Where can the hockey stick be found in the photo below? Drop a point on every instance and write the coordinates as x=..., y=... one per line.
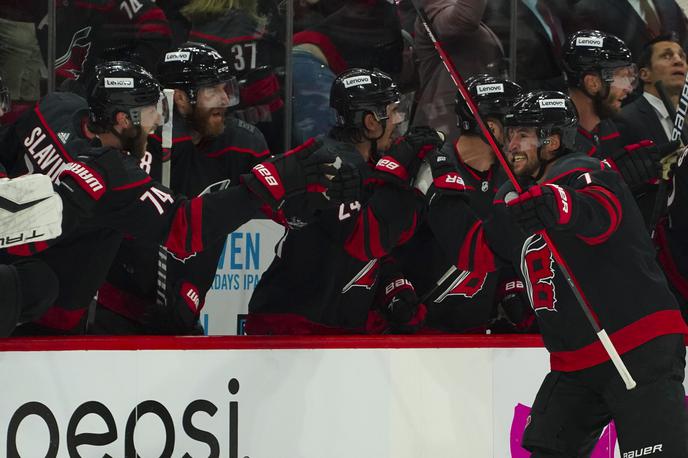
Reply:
x=161, y=290
x=461, y=86
x=676, y=133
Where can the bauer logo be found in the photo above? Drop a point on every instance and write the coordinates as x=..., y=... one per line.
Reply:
x=357, y=81
x=181, y=56
x=552, y=103
x=490, y=89
x=591, y=42
x=119, y=82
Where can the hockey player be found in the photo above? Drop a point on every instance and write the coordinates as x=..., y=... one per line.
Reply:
x=254, y=53
x=207, y=149
x=596, y=227
x=465, y=301
x=325, y=273
x=601, y=75
x=107, y=195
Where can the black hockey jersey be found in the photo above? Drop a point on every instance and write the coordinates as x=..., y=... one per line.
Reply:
x=324, y=276
x=106, y=192
x=132, y=281
x=46, y=138
x=255, y=55
x=465, y=300
x=602, y=142
x=609, y=255
x=87, y=28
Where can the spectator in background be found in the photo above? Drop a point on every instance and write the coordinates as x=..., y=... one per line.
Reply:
x=85, y=30
x=662, y=60
x=634, y=21
x=234, y=28
x=21, y=66
x=179, y=24
x=470, y=44
x=363, y=34
x=539, y=39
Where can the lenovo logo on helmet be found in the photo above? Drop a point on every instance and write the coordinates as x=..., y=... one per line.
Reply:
x=357, y=81
x=181, y=56
x=490, y=89
x=552, y=103
x=590, y=42
x=119, y=82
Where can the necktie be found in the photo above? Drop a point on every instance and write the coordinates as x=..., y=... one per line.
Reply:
x=650, y=17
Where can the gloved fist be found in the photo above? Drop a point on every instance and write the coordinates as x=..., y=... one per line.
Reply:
x=401, y=162
x=296, y=171
x=400, y=307
x=640, y=162
x=547, y=206
x=439, y=175
x=514, y=313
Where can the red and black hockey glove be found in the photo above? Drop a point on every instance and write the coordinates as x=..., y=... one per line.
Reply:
x=401, y=308
x=547, y=206
x=640, y=162
x=294, y=172
x=401, y=162
x=439, y=175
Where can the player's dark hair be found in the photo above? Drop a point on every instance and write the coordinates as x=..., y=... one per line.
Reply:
x=645, y=58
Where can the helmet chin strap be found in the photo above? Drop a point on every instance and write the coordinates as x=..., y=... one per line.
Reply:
x=543, y=162
x=373, y=142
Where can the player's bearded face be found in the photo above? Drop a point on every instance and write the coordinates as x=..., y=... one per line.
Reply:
x=208, y=117
x=522, y=150
x=395, y=118
x=621, y=82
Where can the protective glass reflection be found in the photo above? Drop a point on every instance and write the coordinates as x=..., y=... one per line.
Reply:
x=622, y=78
x=222, y=95
x=5, y=103
x=163, y=108
x=150, y=118
x=521, y=139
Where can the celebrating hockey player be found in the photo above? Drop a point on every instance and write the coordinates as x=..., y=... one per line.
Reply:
x=107, y=195
x=601, y=75
x=326, y=270
x=465, y=301
x=207, y=150
x=589, y=214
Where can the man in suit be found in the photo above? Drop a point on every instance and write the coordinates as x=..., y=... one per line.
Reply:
x=663, y=59
x=539, y=39
x=634, y=21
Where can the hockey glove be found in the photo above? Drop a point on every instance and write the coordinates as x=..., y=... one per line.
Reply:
x=400, y=307
x=640, y=162
x=401, y=162
x=548, y=206
x=514, y=313
x=438, y=175
x=294, y=172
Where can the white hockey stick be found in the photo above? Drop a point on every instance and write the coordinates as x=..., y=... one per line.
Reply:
x=161, y=290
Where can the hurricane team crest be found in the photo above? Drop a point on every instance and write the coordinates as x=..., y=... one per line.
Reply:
x=537, y=265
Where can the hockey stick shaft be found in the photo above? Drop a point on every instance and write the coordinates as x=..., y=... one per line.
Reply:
x=676, y=133
x=463, y=90
x=161, y=290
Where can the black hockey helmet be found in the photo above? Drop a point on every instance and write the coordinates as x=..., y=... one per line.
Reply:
x=550, y=112
x=193, y=66
x=593, y=51
x=358, y=91
x=120, y=87
x=492, y=95
x=5, y=99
